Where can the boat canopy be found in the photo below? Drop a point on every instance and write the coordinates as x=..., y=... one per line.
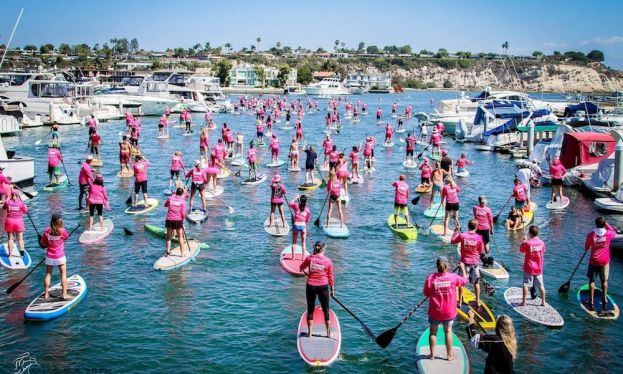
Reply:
x=583, y=148
x=587, y=107
x=604, y=176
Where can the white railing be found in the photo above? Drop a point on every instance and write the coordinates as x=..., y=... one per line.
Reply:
x=8, y=124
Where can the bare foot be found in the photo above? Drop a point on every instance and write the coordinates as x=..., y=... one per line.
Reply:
x=450, y=358
x=431, y=356
x=521, y=304
x=542, y=304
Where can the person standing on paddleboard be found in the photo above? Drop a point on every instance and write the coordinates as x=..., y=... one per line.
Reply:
x=140, y=178
x=320, y=283
x=410, y=147
x=354, y=162
x=327, y=146
x=389, y=133
x=259, y=133
x=368, y=152
x=177, y=163
x=198, y=180
x=94, y=144
x=519, y=193
x=435, y=141
x=334, y=190
x=450, y=194
x=162, y=123
x=501, y=347
x=53, y=239
x=334, y=156
x=274, y=149
x=277, y=194
x=440, y=289
x=301, y=219
x=535, y=173
x=446, y=164
x=85, y=177
x=482, y=214
x=533, y=250
x=204, y=144
x=425, y=173
x=524, y=174
x=14, y=222
x=598, y=241
x=557, y=172
x=342, y=172
x=471, y=251
x=401, y=198
x=294, y=154
x=124, y=154
x=437, y=182
x=54, y=159
x=55, y=132
x=212, y=171
x=310, y=164
x=252, y=159
x=174, y=223
x=97, y=200
x=462, y=163
x=92, y=124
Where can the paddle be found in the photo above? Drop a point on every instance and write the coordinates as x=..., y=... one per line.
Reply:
x=419, y=155
x=497, y=253
x=83, y=154
x=127, y=231
x=185, y=239
x=416, y=200
x=229, y=208
x=426, y=231
x=497, y=216
x=324, y=183
x=565, y=287
x=363, y=325
x=386, y=338
x=64, y=168
x=15, y=285
x=317, y=221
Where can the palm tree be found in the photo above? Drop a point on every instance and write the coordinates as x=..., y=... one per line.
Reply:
x=343, y=45
x=228, y=47
x=505, y=47
x=252, y=47
x=337, y=42
x=258, y=40
x=278, y=45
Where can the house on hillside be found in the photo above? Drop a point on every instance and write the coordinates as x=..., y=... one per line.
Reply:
x=381, y=83
x=320, y=75
x=245, y=75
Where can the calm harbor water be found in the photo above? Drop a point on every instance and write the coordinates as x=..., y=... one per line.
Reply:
x=236, y=310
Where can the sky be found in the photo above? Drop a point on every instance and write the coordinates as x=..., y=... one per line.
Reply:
x=475, y=25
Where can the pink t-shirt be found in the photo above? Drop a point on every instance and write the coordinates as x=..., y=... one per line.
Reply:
x=274, y=143
x=198, y=176
x=176, y=208
x=300, y=215
x=483, y=216
x=251, y=156
x=140, y=170
x=15, y=209
x=451, y=194
x=436, y=138
x=327, y=145
x=354, y=157
x=177, y=163
x=334, y=156
x=461, y=163
x=86, y=175
x=97, y=195
x=334, y=187
x=411, y=143
x=519, y=192
x=55, y=243
x=533, y=250
x=320, y=270
x=557, y=171
x=278, y=191
x=599, y=246
x=426, y=170
x=471, y=246
x=204, y=140
x=401, y=193
x=54, y=157
x=441, y=291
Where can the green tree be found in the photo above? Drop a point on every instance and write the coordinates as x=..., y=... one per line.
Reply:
x=361, y=47
x=179, y=52
x=442, y=53
x=278, y=45
x=537, y=54
x=30, y=47
x=373, y=50
x=228, y=47
x=284, y=73
x=134, y=45
x=197, y=46
x=343, y=45
x=320, y=50
x=482, y=55
x=426, y=52
x=46, y=48
x=96, y=47
x=337, y=43
x=405, y=50
x=206, y=47
x=304, y=75
x=156, y=65
x=505, y=47
x=260, y=75
x=595, y=55
x=258, y=40
x=64, y=48
x=222, y=71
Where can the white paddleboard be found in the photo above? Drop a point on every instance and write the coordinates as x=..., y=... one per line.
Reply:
x=333, y=230
x=277, y=228
x=252, y=181
x=558, y=205
x=14, y=260
x=409, y=164
x=210, y=194
x=533, y=311
x=54, y=306
x=174, y=260
x=197, y=215
x=276, y=164
x=96, y=235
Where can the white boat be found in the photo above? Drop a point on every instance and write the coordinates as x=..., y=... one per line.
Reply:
x=170, y=85
x=326, y=88
x=294, y=90
x=601, y=181
x=611, y=204
x=210, y=88
x=20, y=169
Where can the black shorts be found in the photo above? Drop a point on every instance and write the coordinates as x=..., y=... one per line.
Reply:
x=275, y=205
x=452, y=207
x=92, y=130
x=196, y=186
x=84, y=188
x=160, y=126
x=425, y=180
x=332, y=165
x=94, y=207
x=138, y=186
x=409, y=152
x=309, y=167
x=556, y=182
x=175, y=173
x=323, y=296
x=133, y=141
x=95, y=149
x=334, y=198
x=175, y=225
x=484, y=234
x=52, y=169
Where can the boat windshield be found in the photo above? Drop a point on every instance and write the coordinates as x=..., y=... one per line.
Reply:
x=52, y=90
x=7, y=80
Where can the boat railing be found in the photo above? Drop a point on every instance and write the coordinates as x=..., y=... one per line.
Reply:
x=9, y=124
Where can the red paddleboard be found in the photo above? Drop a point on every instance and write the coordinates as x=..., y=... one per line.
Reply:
x=319, y=350
x=292, y=265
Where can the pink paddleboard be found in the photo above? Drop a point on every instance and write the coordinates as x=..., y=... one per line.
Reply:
x=319, y=350
x=292, y=265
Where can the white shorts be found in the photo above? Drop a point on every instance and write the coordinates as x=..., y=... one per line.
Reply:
x=530, y=280
x=55, y=261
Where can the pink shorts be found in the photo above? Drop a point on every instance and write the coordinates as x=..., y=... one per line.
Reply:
x=14, y=226
x=213, y=170
x=342, y=174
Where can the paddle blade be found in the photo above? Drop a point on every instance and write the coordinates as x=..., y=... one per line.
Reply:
x=38, y=142
x=230, y=209
x=564, y=288
x=323, y=184
x=416, y=200
x=317, y=222
x=496, y=218
x=13, y=287
x=28, y=195
x=386, y=338
x=127, y=231
x=128, y=201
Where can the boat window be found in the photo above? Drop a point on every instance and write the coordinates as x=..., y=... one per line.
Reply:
x=54, y=90
x=13, y=80
x=598, y=149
